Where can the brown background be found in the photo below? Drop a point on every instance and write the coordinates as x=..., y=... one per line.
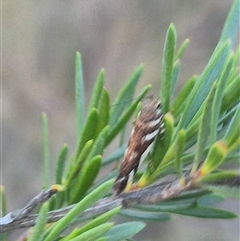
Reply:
x=39, y=41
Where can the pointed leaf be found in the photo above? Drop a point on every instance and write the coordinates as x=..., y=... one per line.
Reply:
x=60, y=164
x=85, y=179
x=79, y=93
x=103, y=110
x=85, y=203
x=124, y=231
x=97, y=91
x=205, y=212
x=145, y=216
x=204, y=128
x=94, y=233
x=46, y=164
x=40, y=224
x=167, y=67
x=90, y=130
x=126, y=93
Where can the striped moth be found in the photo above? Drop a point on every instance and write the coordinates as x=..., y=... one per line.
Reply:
x=147, y=125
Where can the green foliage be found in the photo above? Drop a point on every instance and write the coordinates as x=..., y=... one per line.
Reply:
x=201, y=134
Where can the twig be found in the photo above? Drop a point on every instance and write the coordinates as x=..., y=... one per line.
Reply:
x=149, y=195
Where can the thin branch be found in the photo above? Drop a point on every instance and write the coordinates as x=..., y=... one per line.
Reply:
x=149, y=195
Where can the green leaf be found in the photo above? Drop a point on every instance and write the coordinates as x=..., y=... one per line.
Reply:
x=203, y=84
x=175, y=75
x=167, y=67
x=145, y=216
x=100, y=143
x=97, y=91
x=94, y=233
x=85, y=203
x=233, y=129
x=231, y=25
x=103, y=110
x=181, y=49
x=3, y=209
x=218, y=99
x=215, y=157
x=180, y=101
x=231, y=94
x=95, y=222
x=46, y=164
x=126, y=93
x=79, y=93
x=40, y=224
x=180, y=141
x=60, y=164
x=204, y=128
x=218, y=177
x=76, y=167
x=90, y=130
x=124, y=231
x=210, y=200
x=114, y=155
x=121, y=122
x=85, y=178
x=225, y=191
x=205, y=212
x=160, y=147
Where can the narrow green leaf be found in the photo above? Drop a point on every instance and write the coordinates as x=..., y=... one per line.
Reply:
x=40, y=224
x=203, y=84
x=167, y=67
x=164, y=208
x=124, y=231
x=179, y=102
x=204, y=128
x=218, y=99
x=79, y=93
x=3, y=209
x=90, y=130
x=76, y=167
x=231, y=25
x=114, y=155
x=145, y=216
x=175, y=75
x=181, y=137
x=46, y=164
x=160, y=148
x=102, y=239
x=225, y=191
x=231, y=94
x=100, y=143
x=95, y=222
x=219, y=177
x=94, y=233
x=215, y=157
x=103, y=110
x=97, y=91
x=205, y=212
x=233, y=129
x=210, y=200
x=120, y=122
x=181, y=50
x=60, y=164
x=85, y=203
x=85, y=179
x=126, y=93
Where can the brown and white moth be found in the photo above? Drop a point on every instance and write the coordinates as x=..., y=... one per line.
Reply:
x=147, y=125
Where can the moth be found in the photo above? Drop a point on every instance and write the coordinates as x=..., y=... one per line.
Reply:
x=148, y=124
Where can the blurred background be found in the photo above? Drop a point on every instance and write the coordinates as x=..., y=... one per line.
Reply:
x=39, y=41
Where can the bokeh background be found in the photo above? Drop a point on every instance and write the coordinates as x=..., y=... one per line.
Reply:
x=39, y=41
